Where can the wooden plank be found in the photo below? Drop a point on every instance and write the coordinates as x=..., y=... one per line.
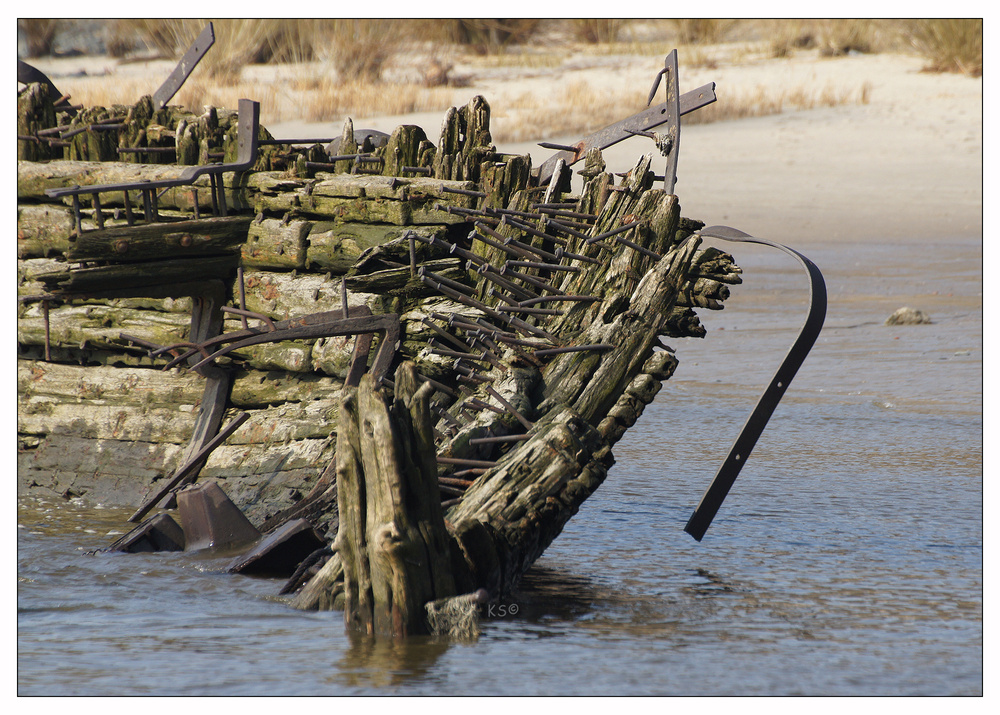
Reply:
x=143, y=242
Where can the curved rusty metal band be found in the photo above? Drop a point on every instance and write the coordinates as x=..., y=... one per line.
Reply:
x=711, y=501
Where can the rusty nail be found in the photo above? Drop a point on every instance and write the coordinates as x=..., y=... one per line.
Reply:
x=559, y=147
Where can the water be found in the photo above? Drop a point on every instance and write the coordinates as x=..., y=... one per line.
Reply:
x=847, y=560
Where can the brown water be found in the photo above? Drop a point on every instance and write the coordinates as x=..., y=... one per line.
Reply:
x=847, y=560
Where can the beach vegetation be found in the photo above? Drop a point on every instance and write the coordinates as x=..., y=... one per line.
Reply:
x=948, y=44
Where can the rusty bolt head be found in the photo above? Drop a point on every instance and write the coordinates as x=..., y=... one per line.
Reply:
x=121, y=246
x=186, y=240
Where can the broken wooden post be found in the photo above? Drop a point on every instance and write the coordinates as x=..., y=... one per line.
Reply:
x=392, y=538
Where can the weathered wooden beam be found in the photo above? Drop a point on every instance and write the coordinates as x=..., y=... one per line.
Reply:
x=392, y=538
x=144, y=242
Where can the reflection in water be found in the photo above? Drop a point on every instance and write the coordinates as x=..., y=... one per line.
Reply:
x=384, y=662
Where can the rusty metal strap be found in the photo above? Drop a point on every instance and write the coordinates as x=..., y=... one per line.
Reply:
x=182, y=71
x=706, y=510
x=642, y=121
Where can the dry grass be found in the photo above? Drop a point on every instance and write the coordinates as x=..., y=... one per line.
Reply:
x=348, y=57
x=949, y=45
x=40, y=34
x=578, y=110
x=332, y=100
x=596, y=31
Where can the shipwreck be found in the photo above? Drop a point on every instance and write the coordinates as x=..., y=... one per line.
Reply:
x=387, y=368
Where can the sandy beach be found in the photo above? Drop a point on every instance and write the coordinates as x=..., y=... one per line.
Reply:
x=905, y=165
x=908, y=165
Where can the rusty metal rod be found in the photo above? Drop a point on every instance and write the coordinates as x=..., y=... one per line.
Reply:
x=463, y=192
x=636, y=247
x=445, y=352
x=53, y=130
x=453, y=482
x=562, y=253
x=191, y=465
x=413, y=253
x=147, y=150
x=150, y=346
x=493, y=276
x=501, y=243
x=502, y=439
x=147, y=205
x=290, y=142
x=447, y=417
x=466, y=462
x=554, y=298
x=602, y=347
x=95, y=202
x=45, y=317
x=469, y=372
x=462, y=211
x=485, y=405
x=528, y=311
x=533, y=231
x=129, y=216
x=183, y=344
x=522, y=343
x=559, y=147
x=454, y=285
x=508, y=407
x=243, y=292
x=534, y=249
x=543, y=266
x=438, y=386
x=613, y=232
x=531, y=280
x=443, y=333
x=488, y=354
x=462, y=298
x=568, y=214
x=250, y=314
x=501, y=296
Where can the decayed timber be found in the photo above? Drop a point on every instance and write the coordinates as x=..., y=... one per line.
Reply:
x=530, y=322
x=392, y=539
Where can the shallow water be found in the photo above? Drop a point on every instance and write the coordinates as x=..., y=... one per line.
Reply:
x=847, y=560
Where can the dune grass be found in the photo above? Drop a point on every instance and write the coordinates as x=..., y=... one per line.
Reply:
x=343, y=64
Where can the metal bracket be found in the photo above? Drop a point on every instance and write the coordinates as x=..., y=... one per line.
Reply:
x=671, y=143
x=359, y=321
x=706, y=510
x=247, y=144
x=202, y=44
x=638, y=123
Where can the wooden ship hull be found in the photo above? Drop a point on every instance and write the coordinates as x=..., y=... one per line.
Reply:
x=419, y=349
